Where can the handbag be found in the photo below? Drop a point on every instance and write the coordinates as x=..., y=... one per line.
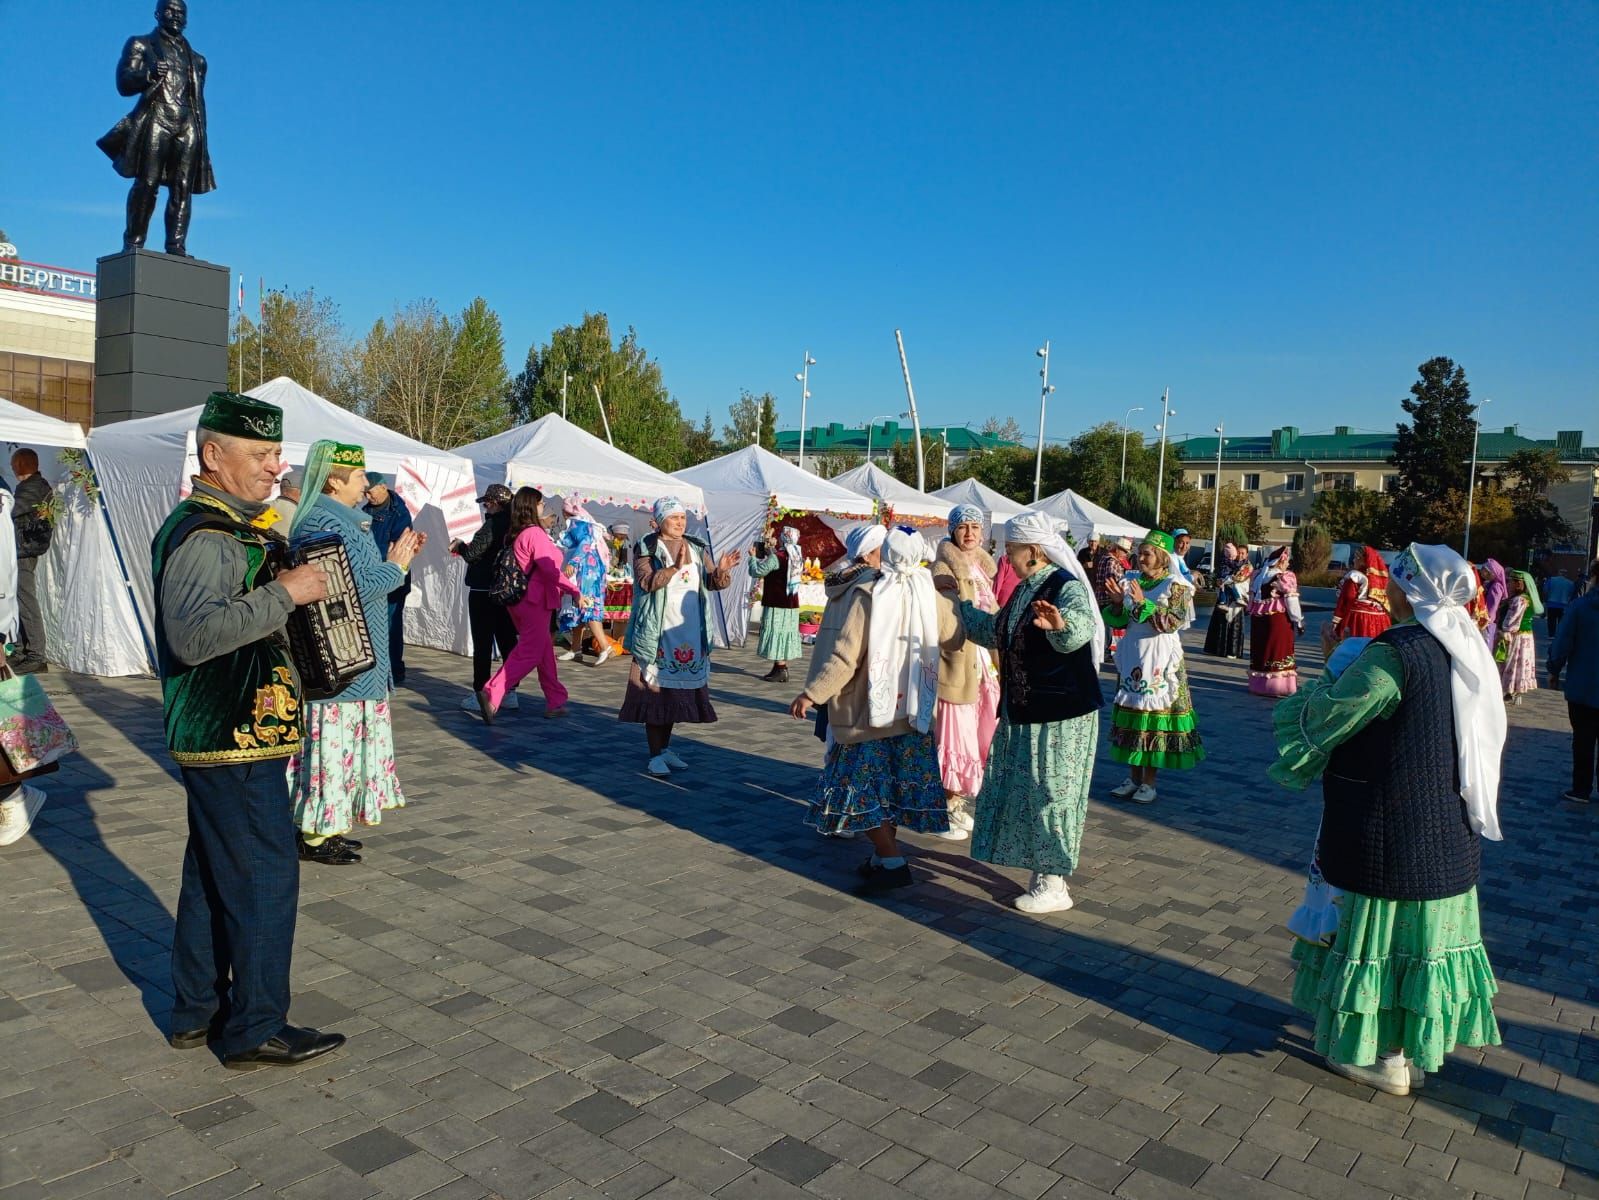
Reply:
x=32, y=733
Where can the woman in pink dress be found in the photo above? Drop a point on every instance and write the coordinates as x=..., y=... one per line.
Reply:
x=535, y=650
x=1518, y=663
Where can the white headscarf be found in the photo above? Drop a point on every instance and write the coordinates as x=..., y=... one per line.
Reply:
x=796, y=558
x=1034, y=528
x=863, y=539
x=902, y=640
x=1439, y=585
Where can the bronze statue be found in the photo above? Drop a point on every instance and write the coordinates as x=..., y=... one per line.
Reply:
x=162, y=141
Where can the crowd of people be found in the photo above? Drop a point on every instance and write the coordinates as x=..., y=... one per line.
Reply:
x=957, y=697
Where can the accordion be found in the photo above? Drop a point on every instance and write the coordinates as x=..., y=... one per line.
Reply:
x=328, y=638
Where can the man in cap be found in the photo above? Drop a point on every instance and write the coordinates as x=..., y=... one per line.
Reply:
x=490, y=622
x=287, y=503
x=391, y=518
x=230, y=694
x=1180, y=543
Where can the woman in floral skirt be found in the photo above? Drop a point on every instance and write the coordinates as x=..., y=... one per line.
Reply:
x=1275, y=620
x=345, y=775
x=1518, y=662
x=879, y=680
x=1050, y=638
x=1152, y=723
x=1407, y=740
x=585, y=560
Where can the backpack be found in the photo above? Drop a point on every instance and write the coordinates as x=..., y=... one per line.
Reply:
x=510, y=581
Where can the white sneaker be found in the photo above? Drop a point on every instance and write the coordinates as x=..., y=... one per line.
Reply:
x=1143, y=794
x=469, y=704
x=1390, y=1075
x=17, y=813
x=566, y=656
x=604, y=654
x=1124, y=790
x=659, y=767
x=1418, y=1077
x=954, y=833
x=510, y=703
x=1047, y=894
x=670, y=758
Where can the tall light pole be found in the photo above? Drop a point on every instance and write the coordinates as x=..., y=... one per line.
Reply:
x=1130, y=412
x=1167, y=412
x=1043, y=398
x=869, y=425
x=1215, y=512
x=1471, y=480
x=943, y=463
x=916, y=421
x=804, y=378
x=566, y=378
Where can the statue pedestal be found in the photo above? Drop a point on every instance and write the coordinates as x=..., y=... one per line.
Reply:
x=160, y=334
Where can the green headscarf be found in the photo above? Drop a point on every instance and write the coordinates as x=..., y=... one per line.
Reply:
x=317, y=465
x=1532, y=591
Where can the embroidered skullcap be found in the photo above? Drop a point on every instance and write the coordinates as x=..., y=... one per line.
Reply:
x=242, y=417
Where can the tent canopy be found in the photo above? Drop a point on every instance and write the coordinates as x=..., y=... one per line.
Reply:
x=1085, y=518
x=140, y=467
x=872, y=481
x=560, y=459
x=90, y=626
x=740, y=491
x=968, y=491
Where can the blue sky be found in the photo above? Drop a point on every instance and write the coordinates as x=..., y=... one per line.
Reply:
x=1276, y=210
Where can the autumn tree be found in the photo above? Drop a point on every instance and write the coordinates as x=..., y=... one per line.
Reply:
x=1192, y=509
x=433, y=377
x=1354, y=515
x=298, y=334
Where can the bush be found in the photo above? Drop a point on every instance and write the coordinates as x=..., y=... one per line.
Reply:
x=1311, y=551
x=1135, y=501
x=1236, y=534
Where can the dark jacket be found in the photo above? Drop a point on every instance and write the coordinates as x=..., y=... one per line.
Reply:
x=1037, y=682
x=484, y=548
x=33, y=530
x=129, y=139
x=1393, y=823
x=389, y=520
x=774, y=587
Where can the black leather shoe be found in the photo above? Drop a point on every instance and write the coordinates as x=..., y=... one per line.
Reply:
x=885, y=879
x=329, y=854
x=289, y=1048
x=348, y=843
x=189, y=1039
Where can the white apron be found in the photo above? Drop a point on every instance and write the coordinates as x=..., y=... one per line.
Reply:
x=683, y=663
x=1148, y=661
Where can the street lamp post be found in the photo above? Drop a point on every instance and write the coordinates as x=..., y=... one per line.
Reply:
x=1167, y=412
x=1130, y=412
x=1043, y=399
x=869, y=425
x=1471, y=482
x=804, y=378
x=566, y=378
x=943, y=463
x=1215, y=512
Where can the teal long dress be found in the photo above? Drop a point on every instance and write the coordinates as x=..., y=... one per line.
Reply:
x=1405, y=974
x=1034, y=799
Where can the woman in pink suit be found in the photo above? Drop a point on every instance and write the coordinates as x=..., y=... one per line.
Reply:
x=540, y=561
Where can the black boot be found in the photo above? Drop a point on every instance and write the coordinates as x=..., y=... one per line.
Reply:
x=179, y=202
x=329, y=853
x=141, y=207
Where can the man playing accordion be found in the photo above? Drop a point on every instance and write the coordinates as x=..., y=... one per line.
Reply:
x=231, y=698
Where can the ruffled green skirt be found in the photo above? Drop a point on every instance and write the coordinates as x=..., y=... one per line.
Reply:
x=1408, y=974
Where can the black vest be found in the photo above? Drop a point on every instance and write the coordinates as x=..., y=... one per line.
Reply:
x=774, y=586
x=1393, y=823
x=1038, y=683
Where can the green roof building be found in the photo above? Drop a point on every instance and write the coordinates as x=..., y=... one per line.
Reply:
x=881, y=438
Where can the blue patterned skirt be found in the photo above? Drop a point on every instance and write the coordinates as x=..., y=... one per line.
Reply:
x=894, y=779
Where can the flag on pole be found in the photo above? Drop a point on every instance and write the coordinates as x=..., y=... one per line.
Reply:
x=241, y=295
x=260, y=288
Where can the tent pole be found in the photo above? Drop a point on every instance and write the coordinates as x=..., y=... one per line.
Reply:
x=122, y=566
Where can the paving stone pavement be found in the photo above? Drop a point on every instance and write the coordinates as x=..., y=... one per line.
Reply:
x=563, y=979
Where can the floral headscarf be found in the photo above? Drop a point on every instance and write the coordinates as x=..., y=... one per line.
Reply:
x=964, y=514
x=667, y=506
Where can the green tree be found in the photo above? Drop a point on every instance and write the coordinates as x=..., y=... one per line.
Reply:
x=299, y=334
x=744, y=421
x=768, y=425
x=902, y=461
x=1135, y=501
x=699, y=441
x=1192, y=508
x=1008, y=470
x=1237, y=534
x=830, y=466
x=433, y=377
x=1432, y=454
x=644, y=419
x=1354, y=515
x=1312, y=549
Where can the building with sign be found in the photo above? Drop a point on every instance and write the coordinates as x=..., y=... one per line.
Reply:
x=47, y=338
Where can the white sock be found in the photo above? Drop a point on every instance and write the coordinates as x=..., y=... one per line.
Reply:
x=892, y=864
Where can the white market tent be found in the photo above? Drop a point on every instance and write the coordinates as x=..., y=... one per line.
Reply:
x=140, y=466
x=871, y=481
x=740, y=491
x=90, y=625
x=1084, y=518
x=998, y=508
x=561, y=459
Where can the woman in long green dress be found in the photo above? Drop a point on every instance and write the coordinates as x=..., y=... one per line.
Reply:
x=1049, y=635
x=1407, y=740
x=780, y=570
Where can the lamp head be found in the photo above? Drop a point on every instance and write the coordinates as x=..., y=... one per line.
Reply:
x=1042, y=352
x=809, y=361
x=799, y=376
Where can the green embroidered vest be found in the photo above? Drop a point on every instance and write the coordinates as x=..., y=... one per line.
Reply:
x=238, y=707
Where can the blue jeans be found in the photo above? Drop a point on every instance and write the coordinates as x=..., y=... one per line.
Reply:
x=236, y=910
x=397, y=636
